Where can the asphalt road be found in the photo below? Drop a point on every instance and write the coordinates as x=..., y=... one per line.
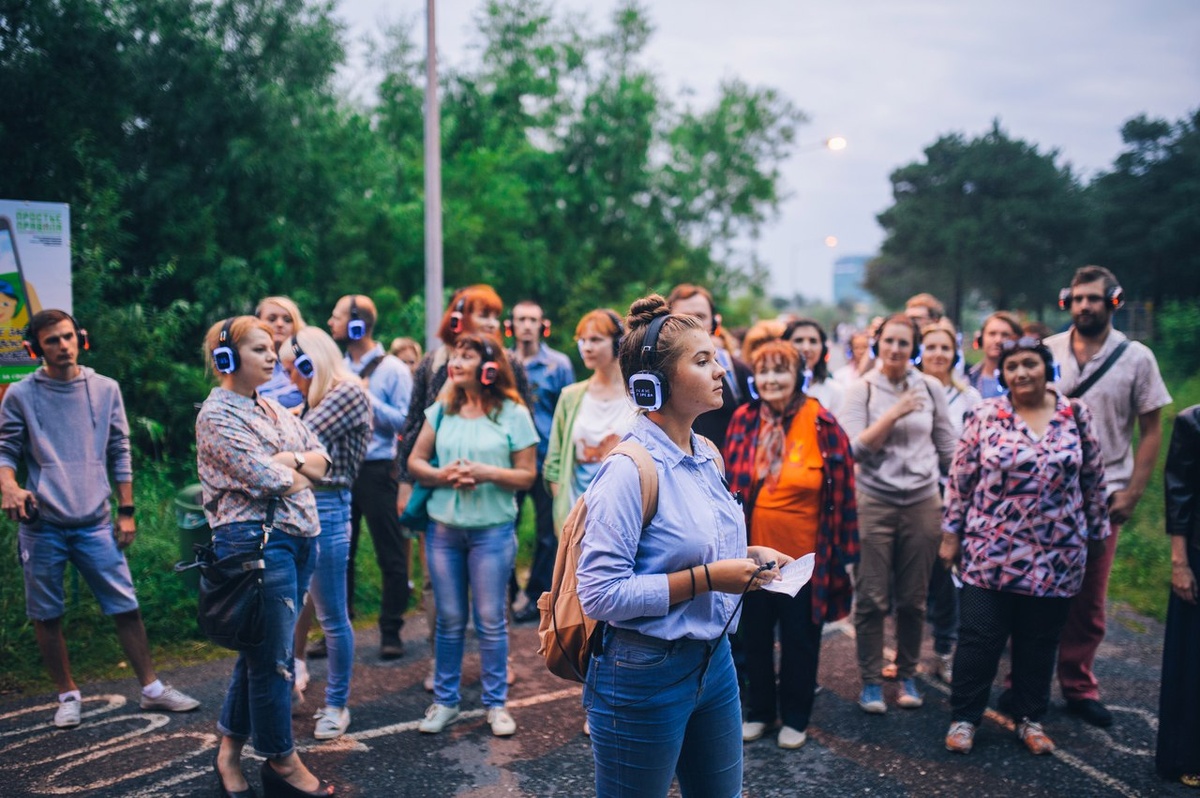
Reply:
x=121, y=751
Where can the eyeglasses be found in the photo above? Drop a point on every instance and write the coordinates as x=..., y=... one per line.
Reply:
x=1027, y=342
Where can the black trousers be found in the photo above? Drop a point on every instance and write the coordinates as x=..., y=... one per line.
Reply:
x=987, y=619
x=1178, y=749
x=541, y=570
x=374, y=497
x=800, y=650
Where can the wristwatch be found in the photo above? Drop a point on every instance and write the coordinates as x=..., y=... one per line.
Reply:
x=299, y=456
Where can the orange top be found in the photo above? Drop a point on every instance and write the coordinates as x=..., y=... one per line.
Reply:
x=786, y=516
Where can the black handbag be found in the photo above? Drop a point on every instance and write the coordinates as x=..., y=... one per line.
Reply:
x=230, y=609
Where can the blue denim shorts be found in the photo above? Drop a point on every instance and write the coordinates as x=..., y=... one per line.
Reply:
x=93, y=549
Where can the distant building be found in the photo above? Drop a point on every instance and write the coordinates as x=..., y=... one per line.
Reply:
x=849, y=273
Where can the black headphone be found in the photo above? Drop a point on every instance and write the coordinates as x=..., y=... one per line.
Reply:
x=356, y=328
x=648, y=386
x=1028, y=344
x=509, y=325
x=34, y=348
x=489, y=369
x=225, y=357
x=956, y=337
x=1114, y=297
x=914, y=358
x=456, y=316
x=303, y=363
x=620, y=334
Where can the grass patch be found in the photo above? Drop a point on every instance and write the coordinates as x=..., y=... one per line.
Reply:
x=1141, y=574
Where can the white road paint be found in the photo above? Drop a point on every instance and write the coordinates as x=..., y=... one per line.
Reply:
x=58, y=780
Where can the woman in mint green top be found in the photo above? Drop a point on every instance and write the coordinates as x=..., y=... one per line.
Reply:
x=476, y=449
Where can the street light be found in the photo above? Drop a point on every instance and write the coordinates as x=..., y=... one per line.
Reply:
x=833, y=144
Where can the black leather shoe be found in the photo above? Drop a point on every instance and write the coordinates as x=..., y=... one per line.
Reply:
x=276, y=786
x=392, y=648
x=226, y=793
x=1091, y=711
x=528, y=613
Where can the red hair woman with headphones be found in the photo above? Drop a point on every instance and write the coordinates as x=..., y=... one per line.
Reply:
x=477, y=448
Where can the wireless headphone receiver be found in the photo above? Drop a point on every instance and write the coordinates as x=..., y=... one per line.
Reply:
x=619, y=335
x=303, y=363
x=649, y=387
x=356, y=328
x=456, y=316
x=34, y=347
x=225, y=357
x=1114, y=297
x=489, y=369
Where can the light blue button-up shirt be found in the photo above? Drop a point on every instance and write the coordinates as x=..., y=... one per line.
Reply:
x=623, y=568
x=390, y=389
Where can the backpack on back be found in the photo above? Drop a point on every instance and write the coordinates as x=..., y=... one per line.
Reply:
x=564, y=632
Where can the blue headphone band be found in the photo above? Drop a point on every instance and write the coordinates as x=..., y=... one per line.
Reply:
x=356, y=328
x=225, y=358
x=303, y=363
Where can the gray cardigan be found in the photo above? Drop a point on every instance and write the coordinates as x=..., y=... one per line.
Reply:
x=905, y=468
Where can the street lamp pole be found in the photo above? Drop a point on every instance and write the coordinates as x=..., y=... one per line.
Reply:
x=433, y=185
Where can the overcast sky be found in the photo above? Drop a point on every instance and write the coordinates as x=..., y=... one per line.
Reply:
x=891, y=76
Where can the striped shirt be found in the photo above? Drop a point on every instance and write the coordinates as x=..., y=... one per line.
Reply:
x=236, y=437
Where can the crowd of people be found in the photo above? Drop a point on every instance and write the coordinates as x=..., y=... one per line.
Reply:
x=984, y=502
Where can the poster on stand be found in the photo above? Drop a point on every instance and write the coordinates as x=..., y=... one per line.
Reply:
x=35, y=273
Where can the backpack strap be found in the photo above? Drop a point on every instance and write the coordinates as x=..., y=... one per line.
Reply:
x=1083, y=387
x=716, y=454
x=647, y=476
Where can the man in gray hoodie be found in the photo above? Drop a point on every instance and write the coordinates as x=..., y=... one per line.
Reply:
x=67, y=425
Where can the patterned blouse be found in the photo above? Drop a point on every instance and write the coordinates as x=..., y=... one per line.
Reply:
x=1026, y=506
x=235, y=439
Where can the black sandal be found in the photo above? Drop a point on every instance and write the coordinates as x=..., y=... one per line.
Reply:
x=225, y=792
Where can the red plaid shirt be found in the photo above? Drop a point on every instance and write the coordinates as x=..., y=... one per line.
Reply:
x=837, y=527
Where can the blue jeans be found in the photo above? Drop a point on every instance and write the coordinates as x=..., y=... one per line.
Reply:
x=655, y=711
x=481, y=559
x=327, y=589
x=44, y=552
x=259, y=699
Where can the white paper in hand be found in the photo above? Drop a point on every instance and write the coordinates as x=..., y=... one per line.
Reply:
x=794, y=575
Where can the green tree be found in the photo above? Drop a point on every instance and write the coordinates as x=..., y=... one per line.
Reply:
x=991, y=218
x=1148, y=210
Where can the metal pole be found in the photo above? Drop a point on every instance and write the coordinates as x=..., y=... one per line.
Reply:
x=433, y=186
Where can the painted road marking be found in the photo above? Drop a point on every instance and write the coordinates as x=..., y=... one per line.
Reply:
x=55, y=782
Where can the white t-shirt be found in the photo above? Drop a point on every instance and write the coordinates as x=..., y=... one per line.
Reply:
x=599, y=426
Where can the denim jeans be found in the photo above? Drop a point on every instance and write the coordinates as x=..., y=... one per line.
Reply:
x=482, y=560
x=325, y=578
x=655, y=711
x=45, y=550
x=258, y=702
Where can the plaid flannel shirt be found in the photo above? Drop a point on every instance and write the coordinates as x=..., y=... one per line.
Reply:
x=837, y=525
x=342, y=422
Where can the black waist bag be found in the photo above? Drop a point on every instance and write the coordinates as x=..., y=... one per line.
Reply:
x=230, y=609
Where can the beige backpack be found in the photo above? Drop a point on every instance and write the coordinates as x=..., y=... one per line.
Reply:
x=564, y=632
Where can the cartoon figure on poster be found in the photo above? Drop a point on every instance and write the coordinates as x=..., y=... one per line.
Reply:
x=18, y=299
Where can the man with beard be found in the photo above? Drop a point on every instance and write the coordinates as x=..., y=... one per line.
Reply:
x=1128, y=389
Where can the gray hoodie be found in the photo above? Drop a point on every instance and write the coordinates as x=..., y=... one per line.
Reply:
x=905, y=469
x=68, y=434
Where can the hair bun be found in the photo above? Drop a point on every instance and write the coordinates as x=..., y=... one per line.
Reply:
x=645, y=310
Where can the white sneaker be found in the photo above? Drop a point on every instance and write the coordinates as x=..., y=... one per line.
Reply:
x=501, y=722
x=791, y=738
x=752, y=730
x=67, y=714
x=171, y=700
x=438, y=717
x=332, y=722
x=944, y=669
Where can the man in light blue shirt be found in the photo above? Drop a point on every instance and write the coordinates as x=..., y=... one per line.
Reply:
x=548, y=372
x=389, y=383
